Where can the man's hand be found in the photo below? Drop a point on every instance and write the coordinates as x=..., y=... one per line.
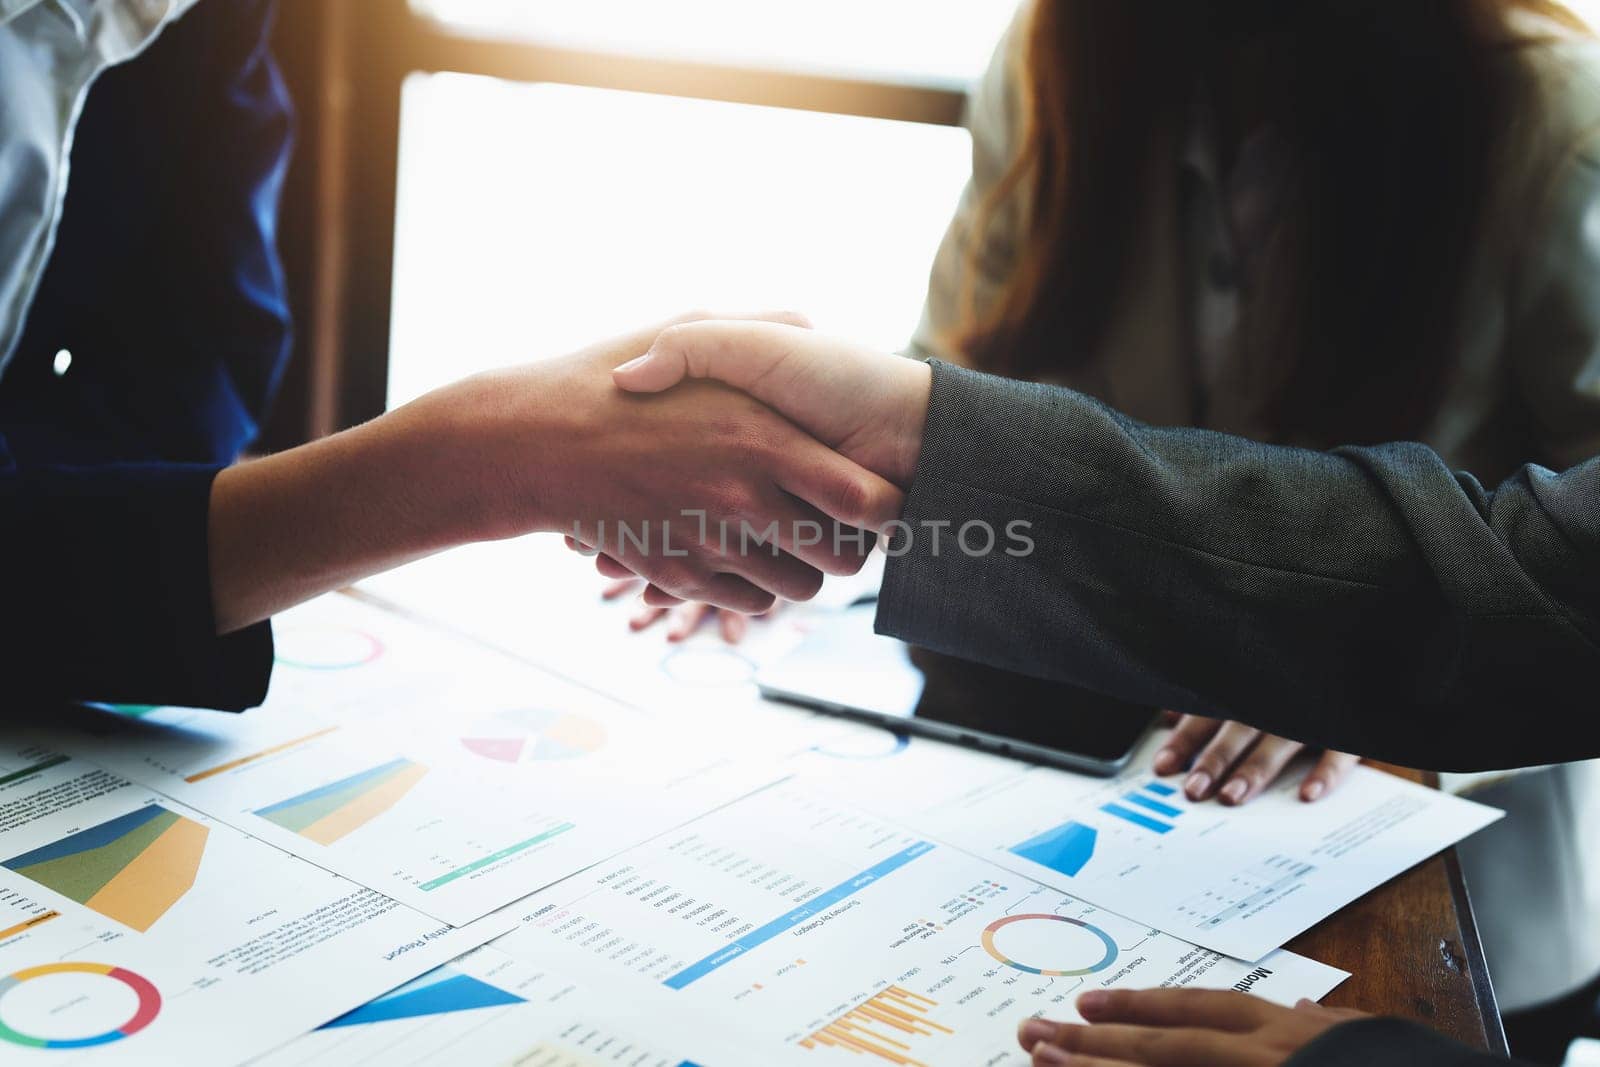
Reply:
x=1178, y=1028
x=869, y=405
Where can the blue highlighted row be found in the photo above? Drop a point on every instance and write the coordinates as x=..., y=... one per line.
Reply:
x=1137, y=818
x=1151, y=804
x=814, y=906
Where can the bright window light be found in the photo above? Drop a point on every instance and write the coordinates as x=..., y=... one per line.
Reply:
x=940, y=40
x=534, y=219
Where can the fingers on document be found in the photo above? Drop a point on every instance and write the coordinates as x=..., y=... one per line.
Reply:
x=1216, y=1009
x=1330, y=771
x=1234, y=762
x=1189, y=736
x=1179, y=1046
x=1259, y=769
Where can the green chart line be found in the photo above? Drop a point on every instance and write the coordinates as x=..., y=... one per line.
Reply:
x=496, y=857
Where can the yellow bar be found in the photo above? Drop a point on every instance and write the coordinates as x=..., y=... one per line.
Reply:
x=870, y=1032
x=885, y=1017
x=223, y=768
x=35, y=921
x=899, y=1013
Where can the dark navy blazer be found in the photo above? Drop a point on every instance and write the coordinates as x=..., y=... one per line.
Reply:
x=165, y=287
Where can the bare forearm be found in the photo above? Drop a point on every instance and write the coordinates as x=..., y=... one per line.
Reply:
x=291, y=526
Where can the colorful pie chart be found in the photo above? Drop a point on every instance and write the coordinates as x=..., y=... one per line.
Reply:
x=147, y=1004
x=535, y=734
x=1076, y=948
x=325, y=648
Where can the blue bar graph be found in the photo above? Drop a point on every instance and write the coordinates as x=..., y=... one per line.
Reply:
x=1066, y=848
x=781, y=925
x=1151, y=804
x=1136, y=818
x=1160, y=789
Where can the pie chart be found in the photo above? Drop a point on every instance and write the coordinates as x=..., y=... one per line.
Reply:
x=535, y=734
x=75, y=1005
x=1049, y=944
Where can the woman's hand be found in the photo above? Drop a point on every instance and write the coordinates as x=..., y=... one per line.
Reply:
x=1234, y=762
x=684, y=619
x=869, y=405
x=1178, y=1028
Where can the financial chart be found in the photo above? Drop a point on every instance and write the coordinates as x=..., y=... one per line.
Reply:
x=828, y=933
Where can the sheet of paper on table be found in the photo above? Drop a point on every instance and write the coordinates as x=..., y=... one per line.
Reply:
x=488, y=1008
x=136, y=930
x=815, y=933
x=451, y=777
x=1241, y=881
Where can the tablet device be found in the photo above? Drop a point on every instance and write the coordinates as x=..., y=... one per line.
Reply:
x=845, y=669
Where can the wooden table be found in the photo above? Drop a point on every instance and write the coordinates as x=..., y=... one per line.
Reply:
x=1411, y=947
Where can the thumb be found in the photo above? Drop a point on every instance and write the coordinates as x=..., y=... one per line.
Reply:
x=743, y=355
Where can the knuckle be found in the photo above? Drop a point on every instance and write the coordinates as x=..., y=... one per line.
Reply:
x=675, y=578
x=851, y=497
x=672, y=335
x=1069, y=1038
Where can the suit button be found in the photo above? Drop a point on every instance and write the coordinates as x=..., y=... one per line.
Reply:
x=62, y=363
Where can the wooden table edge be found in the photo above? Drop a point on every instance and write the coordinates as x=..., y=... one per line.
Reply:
x=1413, y=950
x=1494, y=1030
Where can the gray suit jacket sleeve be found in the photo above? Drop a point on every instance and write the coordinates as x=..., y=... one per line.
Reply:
x=1389, y=1043
x=1366, y=599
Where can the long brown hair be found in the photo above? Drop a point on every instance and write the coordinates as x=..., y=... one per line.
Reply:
x=1391, y=115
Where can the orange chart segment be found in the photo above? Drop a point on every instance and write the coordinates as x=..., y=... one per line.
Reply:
x=133, y=868
x=883, y=1026
x=535, y=734
x=329, y=812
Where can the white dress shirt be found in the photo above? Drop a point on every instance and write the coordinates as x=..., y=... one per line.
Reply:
x=50, y=53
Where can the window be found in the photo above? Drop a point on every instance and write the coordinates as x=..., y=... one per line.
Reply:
x=534, y=216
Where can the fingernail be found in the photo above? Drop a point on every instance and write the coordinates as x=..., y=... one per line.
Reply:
x=1198, y=784
x=1166, y=762
x=1235, y=790
x=1049, y=1054
x=1033, y=1031
x=1313, y=789
x=634, y=362
x=1091, y=1003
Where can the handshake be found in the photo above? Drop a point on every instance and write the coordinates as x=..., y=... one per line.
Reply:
x=772, y=456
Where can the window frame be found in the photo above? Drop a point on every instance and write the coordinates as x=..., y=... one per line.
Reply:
x=353, y=57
